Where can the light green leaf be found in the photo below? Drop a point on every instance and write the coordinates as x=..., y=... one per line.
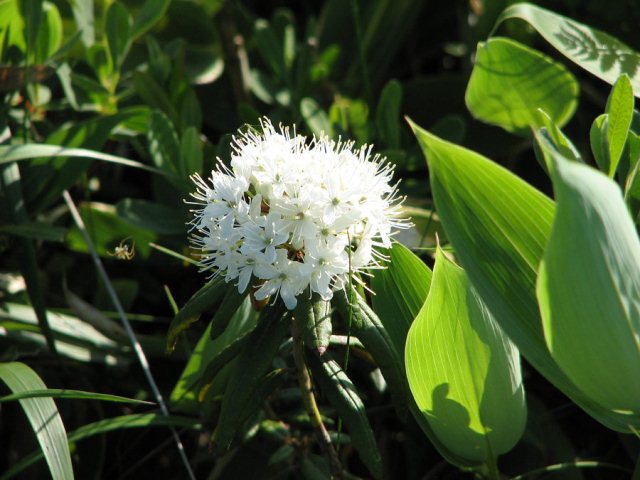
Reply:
x=511, y=81
x=85, y=19
x=400, y=291
x=598, y=141
x=43, y=416
x=28, y=151
x=589, y=288
x=315, y=117
x=463, y=370
x=499, y=226
x=599, y=53
x=619, y=115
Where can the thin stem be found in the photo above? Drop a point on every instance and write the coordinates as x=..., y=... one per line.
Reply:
x=309, y=401
x=142, y=358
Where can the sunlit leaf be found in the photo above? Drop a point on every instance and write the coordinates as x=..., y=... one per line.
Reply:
x=499, y=226
x=589, y=288
x=599, y=53
x=511, y=81
x=43, y=416
x=463, y=370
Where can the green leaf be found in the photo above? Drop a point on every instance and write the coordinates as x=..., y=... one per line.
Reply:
x=163, y=144
x=231, y=301
x=599, y=53
x=151, y=13
x=191, y=151
x=109, y=231
x=118, y=31
x=74, y=338
x=388, y=114
x=343, y=396
x=599, y=142
x=84, y=17
x=153, y=95
x=589, y=289
x=400, y=291
x=619, y=115
x=463, y=371
x=251, y=365
x=314, y=317
x=153, y=216
x=36, y=230
x=202, y=300
x=558, y=138
x=511, y=81
x=125, y=422
x=43, y=416
x=28, y=151
x=210, y=356
x=70, y=394
x=269, y=48
x=315, y=117
x=499, y=226
x=370, y=331
x=49, y=36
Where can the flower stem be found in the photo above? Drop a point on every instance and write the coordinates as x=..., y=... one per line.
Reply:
x=309, y=400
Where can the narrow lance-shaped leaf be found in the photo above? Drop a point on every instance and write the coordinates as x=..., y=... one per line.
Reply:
x=314, y=317
x=499, y=226
x=43, y=416
x=343, y=396
x=202, y=300
x=252, y=364
x=589, y=288
x=619, y=115
x=511, y=81
x=463, y=370
x=599, y=53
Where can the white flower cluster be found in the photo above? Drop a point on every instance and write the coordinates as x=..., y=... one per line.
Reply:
x=288, y=215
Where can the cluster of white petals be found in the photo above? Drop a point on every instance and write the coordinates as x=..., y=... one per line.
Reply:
x=290, y=216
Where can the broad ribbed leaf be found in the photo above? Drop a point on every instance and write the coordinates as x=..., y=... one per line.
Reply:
x=43, y=416
x=599, y=53
x=400, y=291
x=511, y=81
x=463, y=371
x=499, y=226
x=589, y=288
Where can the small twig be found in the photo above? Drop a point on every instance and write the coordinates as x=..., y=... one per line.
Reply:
x=142, y=358
x=309, y=400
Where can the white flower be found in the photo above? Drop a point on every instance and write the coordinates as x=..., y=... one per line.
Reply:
x=290, y=216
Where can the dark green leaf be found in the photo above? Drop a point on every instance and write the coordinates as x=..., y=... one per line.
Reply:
x=70, y=394
x=118, y=31
x=151, y=13
x=251, y=365
x=388, y=114
x=152, y=216
x=201, y=301
x=343, y=396
x=314, y=317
